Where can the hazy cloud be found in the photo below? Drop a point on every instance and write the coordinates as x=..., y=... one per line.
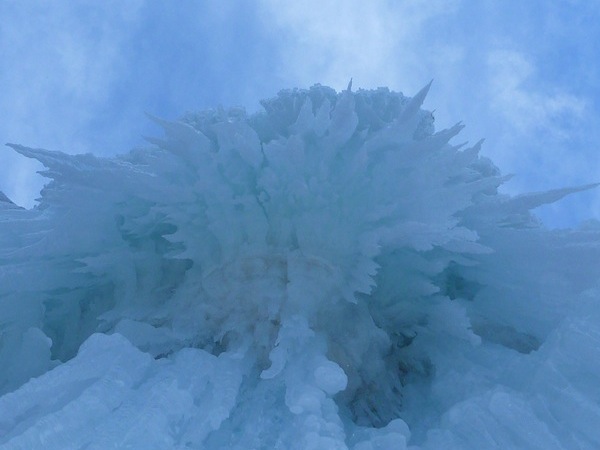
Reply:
x=78, y=76
x=514, y=94
x=374, y=42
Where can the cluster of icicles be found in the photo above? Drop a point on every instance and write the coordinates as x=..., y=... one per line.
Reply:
x=327, y=273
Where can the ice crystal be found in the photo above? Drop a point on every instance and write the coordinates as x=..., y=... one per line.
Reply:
x=327, y=273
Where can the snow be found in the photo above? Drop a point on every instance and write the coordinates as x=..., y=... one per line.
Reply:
x=328, y=273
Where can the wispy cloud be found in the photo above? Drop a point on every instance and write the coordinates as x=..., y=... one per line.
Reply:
x=374, y=42
x=59, y=62
x=524, y=105
x=77, y=77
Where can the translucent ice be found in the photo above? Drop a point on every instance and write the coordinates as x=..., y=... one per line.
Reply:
x=328, y=273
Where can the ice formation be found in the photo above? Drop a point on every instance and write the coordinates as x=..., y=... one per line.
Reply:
x=328, y=273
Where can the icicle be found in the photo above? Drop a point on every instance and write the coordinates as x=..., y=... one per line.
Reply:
x=526, y=202
x=441, y=138
x=343, y=119
x=414, y=104
x=188, y=139
x=5, y=199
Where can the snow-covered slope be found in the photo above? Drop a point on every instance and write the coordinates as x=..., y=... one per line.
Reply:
x=329, y=273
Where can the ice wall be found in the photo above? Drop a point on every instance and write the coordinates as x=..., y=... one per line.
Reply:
x=328, y=273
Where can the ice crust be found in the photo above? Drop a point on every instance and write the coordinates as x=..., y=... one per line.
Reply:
x=330, y=273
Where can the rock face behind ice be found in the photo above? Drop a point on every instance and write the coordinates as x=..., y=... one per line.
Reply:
x=329, y=273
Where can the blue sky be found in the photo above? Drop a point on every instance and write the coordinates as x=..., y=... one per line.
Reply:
x=78, y=76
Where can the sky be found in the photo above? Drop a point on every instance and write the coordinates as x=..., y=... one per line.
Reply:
x=80, y=76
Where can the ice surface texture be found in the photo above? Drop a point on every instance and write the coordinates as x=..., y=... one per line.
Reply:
x=329, y=273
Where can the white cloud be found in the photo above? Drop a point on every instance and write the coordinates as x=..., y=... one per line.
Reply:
x=375, y=42
x=524, y=105
x=60, y=57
